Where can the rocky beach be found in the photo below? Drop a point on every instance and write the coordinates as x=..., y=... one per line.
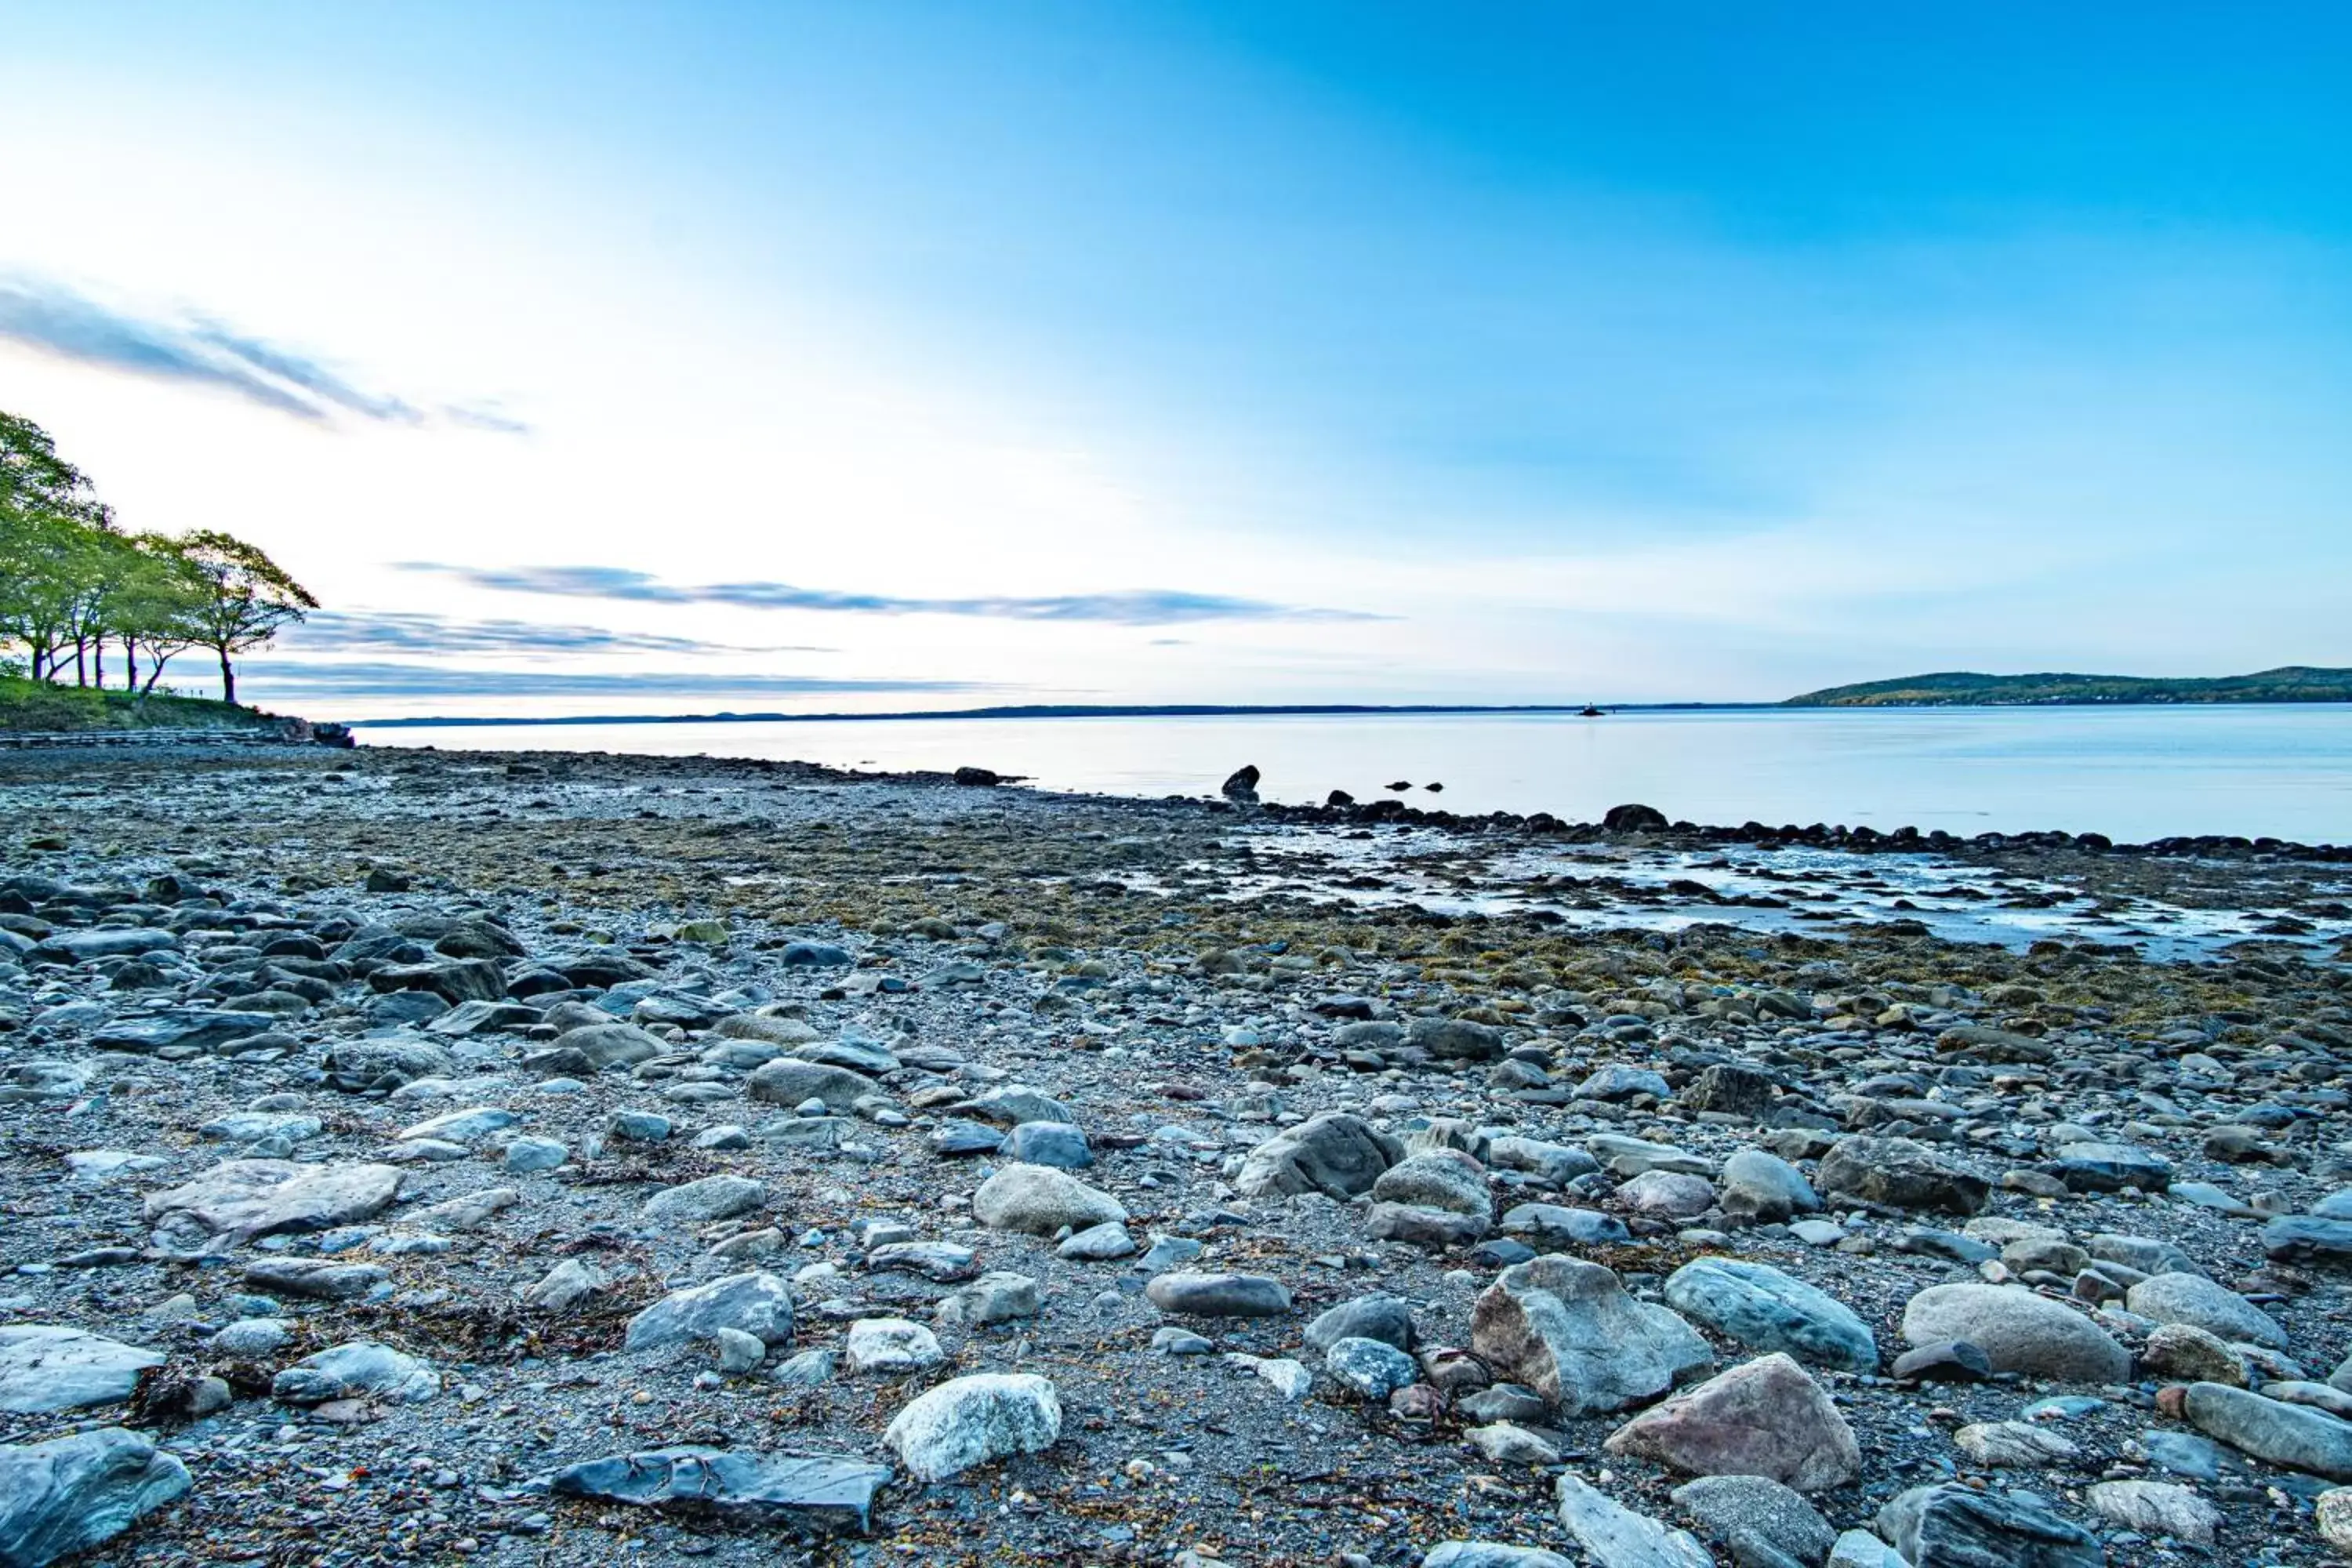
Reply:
x=567, y=1159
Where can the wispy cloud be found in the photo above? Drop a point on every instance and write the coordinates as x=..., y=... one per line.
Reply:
x=332, y=631
x=1138, y=607
x=288, y=678
x=55, y=320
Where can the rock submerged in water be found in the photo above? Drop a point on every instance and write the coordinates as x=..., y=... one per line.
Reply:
x=1241, y=785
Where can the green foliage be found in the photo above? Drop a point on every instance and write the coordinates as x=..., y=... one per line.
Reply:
x=70, y=580
x=1953, y=688
x=45, y=707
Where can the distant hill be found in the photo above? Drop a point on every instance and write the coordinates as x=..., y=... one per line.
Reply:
x=1965, y=689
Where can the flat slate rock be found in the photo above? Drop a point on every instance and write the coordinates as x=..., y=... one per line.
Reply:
x=243, y=1199
x=47, y=1366
x=820, y=1492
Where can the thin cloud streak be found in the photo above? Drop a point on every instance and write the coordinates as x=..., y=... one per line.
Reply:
x=332, y=631
x=429, y=680
x=1137, y=607
x=54, y=320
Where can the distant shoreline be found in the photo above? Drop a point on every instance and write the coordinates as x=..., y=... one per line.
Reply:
x=1065, y=710
x=1324, y=711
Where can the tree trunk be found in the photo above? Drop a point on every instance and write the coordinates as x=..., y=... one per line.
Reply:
x=37, y=661
x=228, y=680
x=130, y=664
x=97, y=662
x=82, y=672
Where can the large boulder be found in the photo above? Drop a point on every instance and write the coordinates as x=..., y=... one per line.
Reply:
x=357, y=1369
x=1455, y=1040
x=2019, y=1331
x=1040, y=1200
x=792, y=1081
x=2194, y=1299
x=969, y=1421
x=1766, y=1417
x=1336, y=1154
x=71, y=1493
x=1766, y=1310
x=613, y=1045
x=756, y=1303
x=1900, y=1173
x=1568, y=1329
x=2295, y=1436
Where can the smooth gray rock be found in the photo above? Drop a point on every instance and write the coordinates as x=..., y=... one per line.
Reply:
x=71, y=1493
x=48, y=1366
x=789, y=1081
x=1388, y=1318
x=760, y=1304
x=2017, y=1330
x=348, y=1370
x=824, y=1493
x=1763, y=1417
x=1766, y=1310
x=2157, y=1507
x=1039, y=1200
x=1763, y=1186
x=2295, y=1436
x=702, y=1202
x=2194, y=1299
x=1219, y=1295
x=1056, y=1143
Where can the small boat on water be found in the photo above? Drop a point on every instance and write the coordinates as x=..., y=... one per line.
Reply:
x=1590, y=711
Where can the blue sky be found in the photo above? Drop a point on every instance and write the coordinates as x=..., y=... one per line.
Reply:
x=1506, y=353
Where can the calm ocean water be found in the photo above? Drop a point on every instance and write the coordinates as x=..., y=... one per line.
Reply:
x=2131, y=773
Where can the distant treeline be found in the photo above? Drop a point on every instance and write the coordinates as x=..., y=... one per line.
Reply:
x=73, y=585
x=2290, y=683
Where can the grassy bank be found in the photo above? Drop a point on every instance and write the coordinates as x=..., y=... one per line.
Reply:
x=40, y=707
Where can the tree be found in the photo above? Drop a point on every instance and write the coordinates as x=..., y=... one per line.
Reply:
x=246, y=597
x=157, y=608
x=55, y=541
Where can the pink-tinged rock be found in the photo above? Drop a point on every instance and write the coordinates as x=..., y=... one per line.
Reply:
x=1764, y=1417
